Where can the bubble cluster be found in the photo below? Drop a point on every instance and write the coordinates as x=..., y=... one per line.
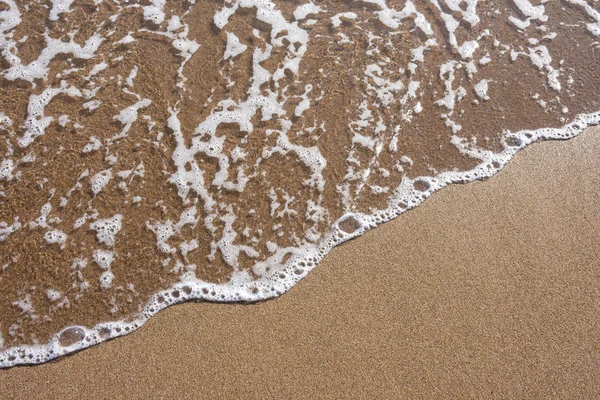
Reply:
x=107, y=229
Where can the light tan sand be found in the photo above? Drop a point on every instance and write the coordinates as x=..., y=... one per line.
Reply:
x=488, y=290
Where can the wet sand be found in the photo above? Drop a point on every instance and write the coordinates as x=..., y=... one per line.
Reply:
x=225, y=147
x=487, y=290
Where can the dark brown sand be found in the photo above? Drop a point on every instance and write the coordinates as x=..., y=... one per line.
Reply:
x=488, y=290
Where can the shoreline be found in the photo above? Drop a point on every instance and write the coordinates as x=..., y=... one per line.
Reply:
x=503, y=307
x=272, y=285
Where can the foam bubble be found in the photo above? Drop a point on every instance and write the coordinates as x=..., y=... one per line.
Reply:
x=302, y=11
x=56, y=236
x=59, y=7
x=234, y=47
x=106, y=279
x=53, y=295
x=107, y=229
x=103, y=258
x=99, y=181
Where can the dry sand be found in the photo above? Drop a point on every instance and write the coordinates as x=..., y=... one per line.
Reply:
x=488, y=290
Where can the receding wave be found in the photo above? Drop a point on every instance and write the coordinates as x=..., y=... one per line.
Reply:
x=158, y=151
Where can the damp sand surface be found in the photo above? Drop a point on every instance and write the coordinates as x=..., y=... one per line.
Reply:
x=156, y=152
x=508, y=313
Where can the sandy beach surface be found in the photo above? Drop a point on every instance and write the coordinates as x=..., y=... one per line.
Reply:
x=487, y=290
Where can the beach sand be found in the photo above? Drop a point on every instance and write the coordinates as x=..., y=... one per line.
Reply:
x=487, y=290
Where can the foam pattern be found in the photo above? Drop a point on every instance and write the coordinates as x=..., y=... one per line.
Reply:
x=315, y=123
x=279, y=282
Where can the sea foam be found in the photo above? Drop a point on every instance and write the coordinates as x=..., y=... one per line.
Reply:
x=220, y=151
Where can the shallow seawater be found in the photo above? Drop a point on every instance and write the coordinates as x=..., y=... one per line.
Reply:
x=158, y=151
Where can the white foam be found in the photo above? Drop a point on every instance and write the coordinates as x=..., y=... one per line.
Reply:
x=91, y=106
x=56, y=236
x=53, y=295
x=103, y=258
x=305, y=103
x=6, y=169
x=481, y=89
x=541, y=58
x=165, y=230
x=6, y=230
x=530, y=11
x=593, y=27
x=106, y=279
x=154, y=12
x=336, y=20
x=234, y=47
x=132, y=76
x=37, y=122
x=38, y=69
x=10, y=17
x=99, y=181
x=98, y=68
x=129, y=115
x=59, y=7
x=393, y=18
x=25, y=304
x=126, y=39
x=301, y=12
x=174, y=23
x=107, y=229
